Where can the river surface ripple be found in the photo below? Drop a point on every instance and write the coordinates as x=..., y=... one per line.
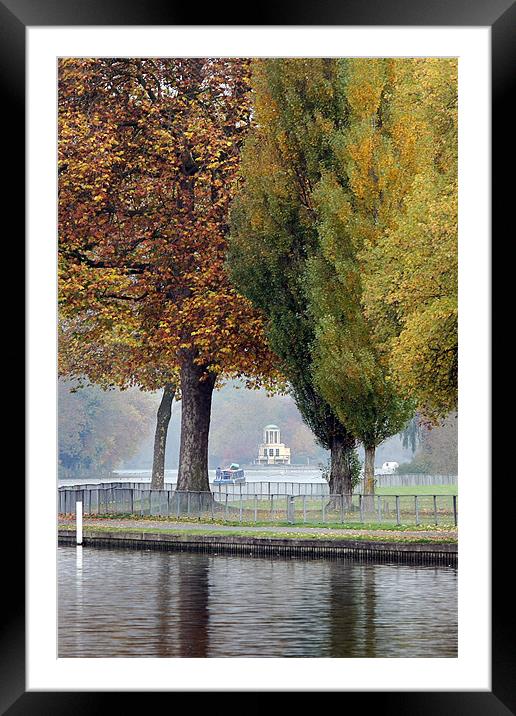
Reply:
x=132, y=603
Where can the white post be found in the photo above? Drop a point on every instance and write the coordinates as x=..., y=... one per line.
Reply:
x=78, y=515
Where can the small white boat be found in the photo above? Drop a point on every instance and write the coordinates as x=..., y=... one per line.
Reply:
x=231, y=475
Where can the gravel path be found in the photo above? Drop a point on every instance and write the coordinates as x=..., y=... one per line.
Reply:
x=206, y=528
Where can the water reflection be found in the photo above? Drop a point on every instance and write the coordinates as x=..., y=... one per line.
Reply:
x=193, y=601
x=392, y=611
x=144, y=603
x=167, y=645
x=352, y=610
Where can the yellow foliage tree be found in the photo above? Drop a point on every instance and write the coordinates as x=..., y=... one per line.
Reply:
x=410, y=267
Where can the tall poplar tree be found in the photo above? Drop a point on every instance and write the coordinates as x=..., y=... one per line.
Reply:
x=274, y=229
x=358, y=197
x=411, y=271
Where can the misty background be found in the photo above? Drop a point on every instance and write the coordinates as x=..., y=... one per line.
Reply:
x=106, y=430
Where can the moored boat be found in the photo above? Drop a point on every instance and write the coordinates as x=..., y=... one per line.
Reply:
x=229, y=475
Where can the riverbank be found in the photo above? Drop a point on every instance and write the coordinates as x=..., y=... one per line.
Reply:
x=412, y=547
x=381, y=531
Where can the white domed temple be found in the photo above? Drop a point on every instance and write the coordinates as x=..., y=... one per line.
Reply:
x=272, y=451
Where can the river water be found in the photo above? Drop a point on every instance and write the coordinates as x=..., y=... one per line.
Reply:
x=272, y=473
x=131, y=603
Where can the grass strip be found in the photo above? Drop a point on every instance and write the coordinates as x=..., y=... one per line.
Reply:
x=251, y=533
x=384, y=526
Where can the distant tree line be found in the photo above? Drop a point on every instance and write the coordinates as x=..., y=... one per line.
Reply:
x=436, y=452
x=97, y=429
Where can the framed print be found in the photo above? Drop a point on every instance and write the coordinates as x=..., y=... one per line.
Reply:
x=479, y=677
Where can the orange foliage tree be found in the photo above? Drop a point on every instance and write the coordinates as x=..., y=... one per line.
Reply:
x=148, y=154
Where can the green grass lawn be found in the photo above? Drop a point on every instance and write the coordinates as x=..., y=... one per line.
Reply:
x=404, y=526
x=326, y=535
x=320, y=510
x=419, y=490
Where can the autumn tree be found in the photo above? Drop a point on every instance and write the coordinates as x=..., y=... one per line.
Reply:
x=274, y=229
x=148, y=153
x=410, y=269
x=384, y=284
x=370, y=166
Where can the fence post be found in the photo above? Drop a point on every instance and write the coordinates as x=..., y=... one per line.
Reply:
x=361, y=506
x=188, y=503
x=256, y=508
x=435, y=509
x=292, y=505
x=240, y=504
x=455, y=510
x=226, y=509
x=78, y=519
x=416, y=509
x=379, y=508
x=397, y=509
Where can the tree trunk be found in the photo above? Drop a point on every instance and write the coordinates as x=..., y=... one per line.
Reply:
x=160, y=437
x=196, y=393
x=369, y=470
x=340, y=467
x=369, y=478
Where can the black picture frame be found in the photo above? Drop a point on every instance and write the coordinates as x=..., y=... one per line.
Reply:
x=15, y=17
